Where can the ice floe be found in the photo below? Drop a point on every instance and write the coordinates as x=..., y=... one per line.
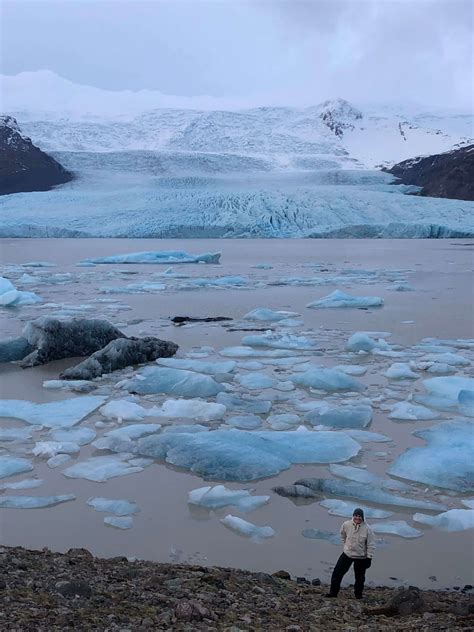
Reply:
x=191, y=409
x=81, y=436
x=452, y=520
x=320, y=534
x=244, y=404
x=27, y=483
x=11, y=297
x=400, y=371
x=338, y=299
x=15, y=434
x=173, y=382
x=219, y=496
x=360, y=475
x=361, y=341
x=119, y=522
x=48, y=449
x=326, y=380
x=407, y=411
x=164, y=256
x=347, y=416
x=101, y=468
x=34, y=502
x=341, y=508
x=244, y=422
x=269, y=315
x=249, y=352
x=280, y=341
x=209, y=368
x=396, y=527
x=123, y=410
x=247, y=529
x=11, y=465
x=117, y=507
x=60, y=414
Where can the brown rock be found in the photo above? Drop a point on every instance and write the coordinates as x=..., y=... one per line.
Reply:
x=282, y=574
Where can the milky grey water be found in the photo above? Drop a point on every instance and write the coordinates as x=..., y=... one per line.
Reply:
x=440, y=305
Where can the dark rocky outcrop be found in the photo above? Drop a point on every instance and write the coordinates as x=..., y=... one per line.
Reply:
x=119, y=354
x=23, y=166
x=447, y=175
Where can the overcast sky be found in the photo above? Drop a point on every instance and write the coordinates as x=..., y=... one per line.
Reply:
x=289, y=51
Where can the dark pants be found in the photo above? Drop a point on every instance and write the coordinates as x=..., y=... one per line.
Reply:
x=343, y=565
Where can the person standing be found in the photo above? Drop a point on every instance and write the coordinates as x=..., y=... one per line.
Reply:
x=359, y=546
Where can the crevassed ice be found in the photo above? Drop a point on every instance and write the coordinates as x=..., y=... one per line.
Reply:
x=247, y=529
x=452, y=520
x=338, y=299
x=163, y=256
x=220, y=496
x=341, y=508
x=173, y=382
x=60, y=414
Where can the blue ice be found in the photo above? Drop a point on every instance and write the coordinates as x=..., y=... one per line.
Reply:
x=164, y=256
x=340, y=299
x=34, y=502
x=247, y=529
x=173, y=382
x=400, y=371
x=15, y=434
x=219, y=496
x=341, y=508
x=255, y=381
x=200, y=366
x=81, y=436
x=243, y=456
x=326, y=380
x=396, y=527
x=452, y=520
x=363, y=436
x=119, y=522
x=60, y=414
x=407, y=411
x=26, y=483
x=361, y=341
x=101, y=468
x=243, y=404
x=14, y=349
x=117, y=507
x=244, y=422
x=11, y=297
x=360, y=475
x=446, y=461
x=280, y=341
x=12, y=465
x=268, y=315
x=466, y=402
x=225, y=281
x=248, y=352
x=347, y=416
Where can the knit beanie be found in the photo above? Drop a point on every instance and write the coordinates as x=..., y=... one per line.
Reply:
x=358, y=512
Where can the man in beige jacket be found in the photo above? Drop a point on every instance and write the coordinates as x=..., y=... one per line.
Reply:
x=359, y=546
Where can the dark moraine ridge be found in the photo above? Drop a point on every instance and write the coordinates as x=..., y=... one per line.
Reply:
x=447, y=175
x=42, y=591
x=23, y=166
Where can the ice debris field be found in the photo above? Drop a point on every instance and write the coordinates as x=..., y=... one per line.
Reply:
x=288, y=395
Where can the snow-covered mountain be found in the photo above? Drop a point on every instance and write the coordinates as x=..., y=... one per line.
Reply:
x=62, y=116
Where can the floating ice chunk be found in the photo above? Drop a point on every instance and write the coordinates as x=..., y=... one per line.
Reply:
x=449, y=387
x=27, y=483
x=446, y=461
x=116, y=507
x=452, y=359
x=438, y=367
x=247, y=529
x=173, y=382
x=60, y=414
x=239, y=455
x=164, y=256
x=468, y=502
x=250, y=365
x=361, y=341
x=185, y=428
x=268, y=315
x=191, y=409
x=396, y=527
x=57, y=460
x=209, y=368
x=101, y=468
x=366, y=437
x=10, y=466
x=10, y=296
x=452, y=520
x=279, y=341
x=244, y=404
x=219, y=496
x=326, y=380
x=33, y=502
x=341, y=508
x=225, y=281
x=411, y=412
x=245, y=422
x=400, y=371
x=51, y=448
x=363, y=476
x=123, y=410
x=14, y=349
x=466, y=402
x=15, y=434
x=341, y=299
x=351, y=369
x=283, y=421
x=318, y=534
x=356, y=416
x=79, y=386
x=134, y=431
x=125, y=522
x=364, y=492
x=134, y=288
x=81, y=436
x=255, y=381
x=248, y=352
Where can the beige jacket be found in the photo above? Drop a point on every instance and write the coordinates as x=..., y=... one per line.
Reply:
x=358, y=540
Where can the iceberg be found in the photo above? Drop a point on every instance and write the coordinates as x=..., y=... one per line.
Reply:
x=351, y=369
x=449, y=387
x=185, y=428
x=33, y=502
x=11, y=297
x=163, y=256
x=361, y=341
x=400, y=371
x=326, y=380
x=191, y=409
x=125, y=522
x=247, y=529
x=209, y=368
x=60, y=414
x=341, y=508
x=236, y=455
x=446, y=461
x=452, y=520
x=265, y=314
x=338, y=299
x=406, y=411
x=280, y=341
x=78, y=386
x=116, y=507
x=11, y=465
x=347, y=416
x=101, y=468
x=396, y=527
x=173, y=382
x=219, y=496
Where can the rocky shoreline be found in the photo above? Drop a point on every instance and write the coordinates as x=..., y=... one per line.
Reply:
x=46, y=591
